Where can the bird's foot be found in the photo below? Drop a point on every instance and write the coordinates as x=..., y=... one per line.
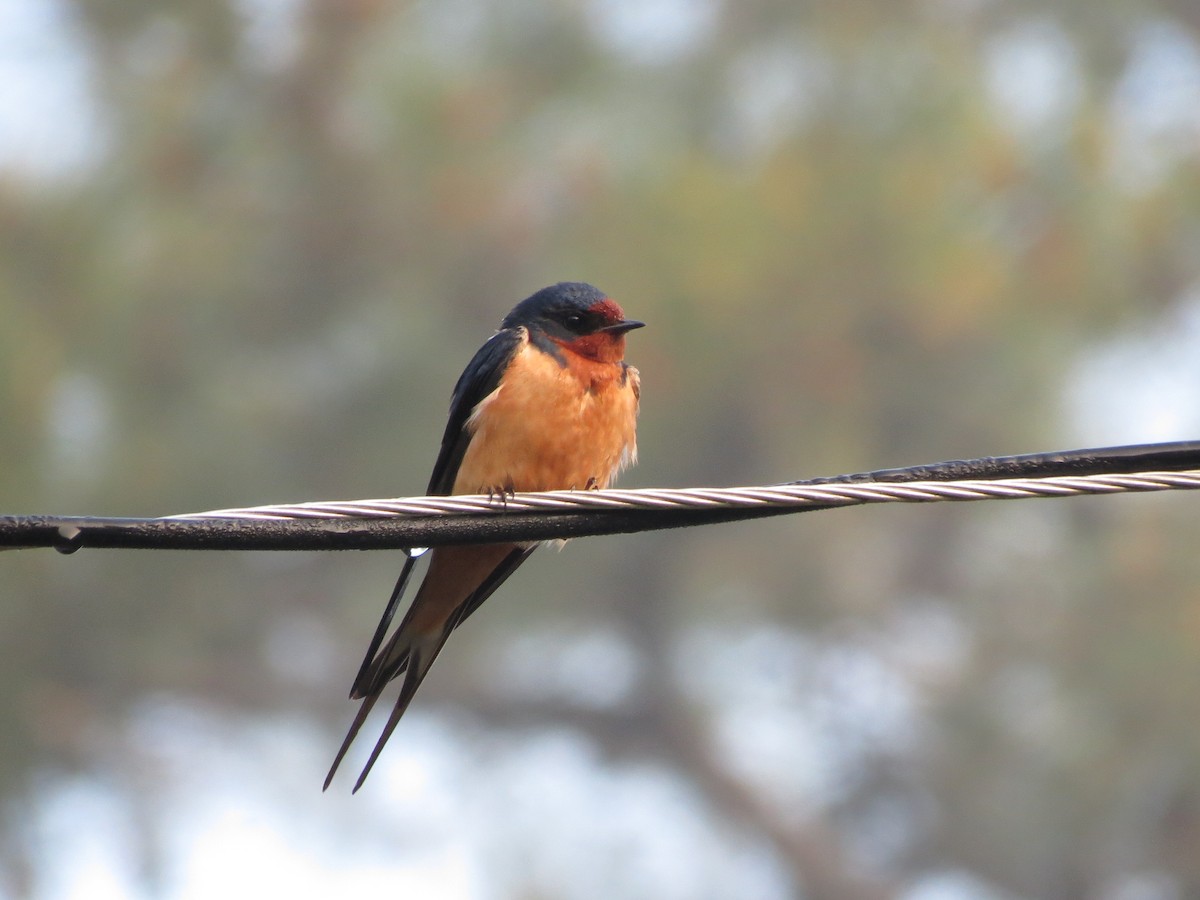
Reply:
x=501, y=493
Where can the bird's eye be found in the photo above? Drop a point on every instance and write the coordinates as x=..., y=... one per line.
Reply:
x=574, y=320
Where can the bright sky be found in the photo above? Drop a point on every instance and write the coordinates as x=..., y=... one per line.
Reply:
x=244, y=817
x=47, y=123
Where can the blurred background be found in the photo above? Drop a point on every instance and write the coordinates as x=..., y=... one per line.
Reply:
x=246, y=246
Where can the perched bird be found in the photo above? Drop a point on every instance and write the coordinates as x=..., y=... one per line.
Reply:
x=548, y=403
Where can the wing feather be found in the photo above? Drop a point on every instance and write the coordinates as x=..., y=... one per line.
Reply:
x=481, y=376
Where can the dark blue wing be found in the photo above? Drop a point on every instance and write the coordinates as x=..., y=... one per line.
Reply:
x=480, y=377
x=373, y=676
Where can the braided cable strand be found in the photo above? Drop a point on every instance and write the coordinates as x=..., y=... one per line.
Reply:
x=781, y=496
x=432, y=521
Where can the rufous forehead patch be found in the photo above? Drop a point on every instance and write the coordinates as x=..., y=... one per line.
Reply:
x=609, y=309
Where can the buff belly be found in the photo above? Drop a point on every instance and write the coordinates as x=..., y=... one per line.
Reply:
x=552, y=427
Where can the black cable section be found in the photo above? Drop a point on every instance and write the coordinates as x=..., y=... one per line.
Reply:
x=1175, y=456
x=70, y=533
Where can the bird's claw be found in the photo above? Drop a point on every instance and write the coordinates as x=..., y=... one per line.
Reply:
x=501, y=493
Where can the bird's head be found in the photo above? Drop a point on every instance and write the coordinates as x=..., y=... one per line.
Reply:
x=576, y=317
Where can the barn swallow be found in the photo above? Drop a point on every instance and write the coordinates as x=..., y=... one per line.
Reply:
x=547, y=403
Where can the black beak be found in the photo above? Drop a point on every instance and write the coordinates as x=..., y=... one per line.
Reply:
x=622, y=327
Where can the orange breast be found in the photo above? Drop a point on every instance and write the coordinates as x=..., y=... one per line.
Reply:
x=552, y=427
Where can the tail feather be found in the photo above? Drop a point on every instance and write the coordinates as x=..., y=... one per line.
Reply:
x=415, y=644
x=364, y=710
x=364, y=678
x=388, y=663
x=420, y=656
x=381, y=666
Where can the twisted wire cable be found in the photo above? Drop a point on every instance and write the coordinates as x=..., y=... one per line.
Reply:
x=413, y=522
x=787, y=495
